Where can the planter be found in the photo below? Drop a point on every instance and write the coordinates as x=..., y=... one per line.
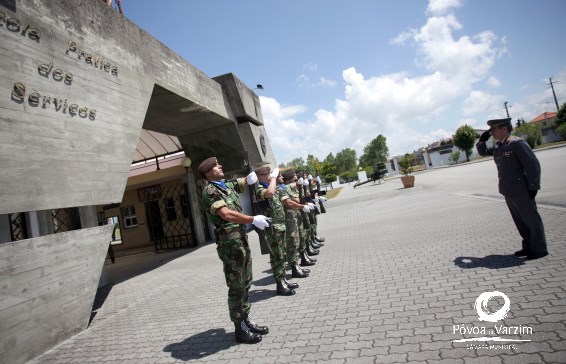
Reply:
x=408, y=181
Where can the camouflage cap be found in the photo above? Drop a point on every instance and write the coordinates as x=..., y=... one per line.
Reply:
x=496, y=122
x=207, y=165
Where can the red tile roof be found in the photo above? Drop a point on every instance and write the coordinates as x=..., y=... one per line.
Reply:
x=544, y=116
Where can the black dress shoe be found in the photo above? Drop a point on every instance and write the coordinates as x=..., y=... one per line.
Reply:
x=320, y=240
x=291, y=284
x=297, y=272
x=262, y=330
x=244, y=335
x=538, y=255
x=306, y=270
x=522, y=253
x=283, y=289
x=314, y=245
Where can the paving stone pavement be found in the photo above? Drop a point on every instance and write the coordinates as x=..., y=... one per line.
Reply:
x=396, y=282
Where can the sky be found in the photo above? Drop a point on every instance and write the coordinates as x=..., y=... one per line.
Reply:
x=337, y=73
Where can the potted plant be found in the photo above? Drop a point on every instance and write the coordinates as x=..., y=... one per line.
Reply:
x=405, y=165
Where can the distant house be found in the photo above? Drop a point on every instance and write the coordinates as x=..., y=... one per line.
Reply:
x=438, y=153
x=547, y=124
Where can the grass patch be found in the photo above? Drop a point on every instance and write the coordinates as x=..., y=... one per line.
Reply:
x=560, y=142
x=333, y=192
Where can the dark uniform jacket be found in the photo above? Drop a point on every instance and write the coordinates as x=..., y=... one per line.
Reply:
x=517, y=166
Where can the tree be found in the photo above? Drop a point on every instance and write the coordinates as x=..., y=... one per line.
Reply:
x=561, y=115
x=531, y=133
x=330, y=178
x=454, y=156
x=296, y=163
x=375, y=152
x=561, y=129
x=313, y=164
x=346, y=160
x=465, y=139
x=520, y=121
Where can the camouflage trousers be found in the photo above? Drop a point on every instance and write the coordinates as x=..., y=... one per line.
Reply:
x=237, y=259
x=303, y=234
x=292, y=240
x=276, y=241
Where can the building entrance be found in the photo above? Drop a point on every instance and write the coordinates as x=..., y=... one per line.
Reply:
x=168, y=218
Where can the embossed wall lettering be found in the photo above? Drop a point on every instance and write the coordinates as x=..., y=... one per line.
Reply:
x=14, y=25
x=94, y=60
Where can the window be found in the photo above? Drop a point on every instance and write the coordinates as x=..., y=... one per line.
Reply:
x=129, y=214
x=101, y=217
x=170, y=206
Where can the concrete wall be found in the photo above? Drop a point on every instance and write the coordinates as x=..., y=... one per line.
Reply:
x=78, y=81
x=42, y=303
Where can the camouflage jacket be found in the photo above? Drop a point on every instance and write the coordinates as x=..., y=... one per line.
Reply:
x=285, y=193
x=276, y=210
x=215, y=197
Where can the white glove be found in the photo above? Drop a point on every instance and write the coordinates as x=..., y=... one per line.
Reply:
x=306, y=208
x=300, y=181
x=251, y=178
x=318, y=179
x=311, y=204
x=323, y=199
x=261, y=222
x=274, y=173
x=317, y=199
x=309, y=177
x=305, y=182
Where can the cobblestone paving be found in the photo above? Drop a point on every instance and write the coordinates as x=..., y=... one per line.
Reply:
x=396, y=282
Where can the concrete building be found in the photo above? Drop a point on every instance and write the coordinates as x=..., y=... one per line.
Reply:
x=84, y=93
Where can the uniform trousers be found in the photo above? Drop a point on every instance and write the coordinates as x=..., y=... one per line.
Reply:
x=528, y=221
x=237, y=259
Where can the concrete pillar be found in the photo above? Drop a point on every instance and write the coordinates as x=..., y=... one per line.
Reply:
x=396, y=163
x=389, y=170
x=88, y=217
x=194, y=196
x=45, y=222
x=426, y=159
x=5, y=235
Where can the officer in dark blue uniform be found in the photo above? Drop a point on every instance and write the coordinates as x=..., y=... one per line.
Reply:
x=519, y=181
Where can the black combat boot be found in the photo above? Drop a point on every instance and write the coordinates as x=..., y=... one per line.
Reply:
x=311, y=251
x=305, y=261
x=262, y=330
x=244, y=335
x=291, y=284
x=320, y=240
x=314, y=245
x=297, y=272
x=283, y=289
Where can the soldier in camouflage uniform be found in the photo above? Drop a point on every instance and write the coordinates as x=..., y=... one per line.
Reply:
x=293, y=221
x=222, y=202
x=519, y=181
x=275, y=233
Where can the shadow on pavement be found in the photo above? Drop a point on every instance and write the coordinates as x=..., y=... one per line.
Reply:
x=265, y=281
x=490, y=262
x=201, y=345
x=261, y=294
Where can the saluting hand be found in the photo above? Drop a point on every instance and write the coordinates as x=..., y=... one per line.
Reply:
x=485, y=136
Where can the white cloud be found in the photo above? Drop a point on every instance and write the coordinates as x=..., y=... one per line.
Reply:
x=398, y=105
x=310, y=67
x=479, y=102
x=440, y=7
x=493, y=82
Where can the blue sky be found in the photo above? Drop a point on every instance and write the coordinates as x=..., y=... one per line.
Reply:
x=338, y=73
